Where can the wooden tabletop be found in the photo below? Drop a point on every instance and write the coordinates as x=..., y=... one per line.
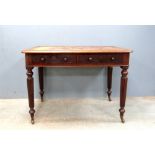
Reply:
x=76, y=49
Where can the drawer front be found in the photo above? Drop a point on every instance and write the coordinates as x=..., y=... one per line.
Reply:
x=53, y=59
x=77, y=59
x=103, y=59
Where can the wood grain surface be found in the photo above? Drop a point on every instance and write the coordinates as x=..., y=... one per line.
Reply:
x=76, y=49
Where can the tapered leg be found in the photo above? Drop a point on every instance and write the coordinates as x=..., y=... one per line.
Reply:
x=41, y=82
x=30, y=89
x=123, y=90
x=109, y=82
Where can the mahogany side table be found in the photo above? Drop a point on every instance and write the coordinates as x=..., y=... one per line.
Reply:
x=77, y=56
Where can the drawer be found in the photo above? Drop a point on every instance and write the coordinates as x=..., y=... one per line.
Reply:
x=105, y=59
x=53, y=59
x=84, y=59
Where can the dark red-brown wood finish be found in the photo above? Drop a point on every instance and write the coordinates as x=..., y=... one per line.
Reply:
x=80, y=57
x=109, y=82
x=123, y=89
x=41, y=81
x=48, y=60
x=30, y=88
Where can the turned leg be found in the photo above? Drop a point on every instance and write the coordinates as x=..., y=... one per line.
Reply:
x=109, y=82
x=30, y=89
x=41, y=82
x=123, y=89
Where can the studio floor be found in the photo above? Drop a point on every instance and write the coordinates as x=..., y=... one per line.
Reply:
x=78, y=114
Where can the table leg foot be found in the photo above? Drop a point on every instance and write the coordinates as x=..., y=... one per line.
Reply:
x=32, y=111
x=109, y=95
x=32, y=121
x=122, y=111
x=42, y=99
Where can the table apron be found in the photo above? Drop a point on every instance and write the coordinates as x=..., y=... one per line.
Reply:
x=77, y=60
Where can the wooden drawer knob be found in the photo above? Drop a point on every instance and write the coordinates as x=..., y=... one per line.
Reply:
x=65, y=59
x=112, y=58
x=90, y=58
x=42, y=59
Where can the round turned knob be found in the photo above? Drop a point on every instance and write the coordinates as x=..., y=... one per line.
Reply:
x=65, y=59
x=112, y=58
x=90, y=58
x=42, y=59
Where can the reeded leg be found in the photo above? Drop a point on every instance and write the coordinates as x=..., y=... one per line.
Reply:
x=109, y=82
x=41, y=82
x=123, y=89
x=30, y=89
